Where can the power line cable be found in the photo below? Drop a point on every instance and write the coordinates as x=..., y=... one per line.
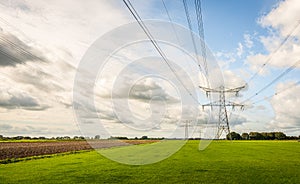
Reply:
x=273, y=53
x=176, y=34
x=186, y=10
x=21, y=52
x=274, y=80
x=201, y=32
x=154, y=43
x=14, y=60
x=170, y=19
x=20, y=49
x=269, y=97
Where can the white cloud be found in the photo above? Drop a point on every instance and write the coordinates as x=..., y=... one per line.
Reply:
x=283, y=50
x=256, y=62
x=286, y=107
x=226, y=58
x=240, y=50
x=232, y=80
x=57, y=33
x=283, y=17
x=61, y=31
x=282, y=22
x=248, y=41
x=12, y=99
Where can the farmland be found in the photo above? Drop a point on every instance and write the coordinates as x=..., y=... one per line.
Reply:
x=18, y=149
x=221, y=162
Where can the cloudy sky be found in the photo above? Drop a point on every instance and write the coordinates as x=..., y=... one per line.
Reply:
x=43, y=47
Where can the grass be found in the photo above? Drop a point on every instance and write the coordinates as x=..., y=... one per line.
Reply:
x=221, y=162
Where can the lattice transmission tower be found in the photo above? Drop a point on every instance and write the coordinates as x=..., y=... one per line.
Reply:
x=222, y=103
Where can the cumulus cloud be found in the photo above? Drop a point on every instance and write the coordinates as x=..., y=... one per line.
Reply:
x=281, y=50
x=240, y=50
x=286, y=107
x=283, y=17
x=151, y=90
x=13, y=99
x=248, y=41
x=41, y=78
x=35, y=130
x=13, y=51
x=226, y=58
x=17, y=4
x=232, y=79
x=236, y=119
x=67, y=31
x=282, y=42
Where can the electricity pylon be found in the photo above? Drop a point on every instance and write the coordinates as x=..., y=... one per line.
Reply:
x=186, y=129
x=223, y=123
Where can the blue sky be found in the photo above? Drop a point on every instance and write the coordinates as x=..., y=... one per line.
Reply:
x=220, y=18
x=226, y=23
x=36, y=96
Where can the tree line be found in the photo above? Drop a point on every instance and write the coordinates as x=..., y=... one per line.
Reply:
x=260, y=136
x=96, y=137
x=44, y=138
x=231, y=136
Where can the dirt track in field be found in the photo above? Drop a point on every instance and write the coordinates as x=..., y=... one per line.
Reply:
x=27, y=149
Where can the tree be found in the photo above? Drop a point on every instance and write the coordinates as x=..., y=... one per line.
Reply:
x=280, y=136
x=265, y=135
x=66, y=137
x=233, y=136
x=144, y=137
x=245, y=136
x=18, y=137
x=97, y=136
x=1, y=136
x=271, y=135
x=256, y=136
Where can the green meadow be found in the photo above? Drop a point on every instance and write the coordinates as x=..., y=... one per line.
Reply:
x=221, y=162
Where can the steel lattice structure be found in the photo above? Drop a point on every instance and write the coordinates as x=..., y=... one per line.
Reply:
x=222, y=103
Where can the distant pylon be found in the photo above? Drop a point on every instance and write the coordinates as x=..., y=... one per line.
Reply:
x=223, y=123
x=186, y=129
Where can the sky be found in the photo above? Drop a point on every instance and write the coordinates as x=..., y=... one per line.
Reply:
x=44, y=47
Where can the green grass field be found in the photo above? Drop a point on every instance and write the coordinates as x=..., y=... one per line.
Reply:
x=221, y=162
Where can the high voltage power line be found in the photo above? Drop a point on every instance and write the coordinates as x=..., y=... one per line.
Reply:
x=170, y=19
x=21, y=51
x=223, y=124
x=277, y=93
x=289, y=35
x=274, y=52
x=23, y=56
x=187, y=14
x=154, y=43
x=274, y=80
x=24, y=52
x=201, y=33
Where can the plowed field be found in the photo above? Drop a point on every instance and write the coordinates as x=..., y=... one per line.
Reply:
x=27, y=149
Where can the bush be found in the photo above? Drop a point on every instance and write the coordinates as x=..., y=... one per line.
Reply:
x=233, y=136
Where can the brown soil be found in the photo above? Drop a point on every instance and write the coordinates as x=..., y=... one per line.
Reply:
x=26, y=149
